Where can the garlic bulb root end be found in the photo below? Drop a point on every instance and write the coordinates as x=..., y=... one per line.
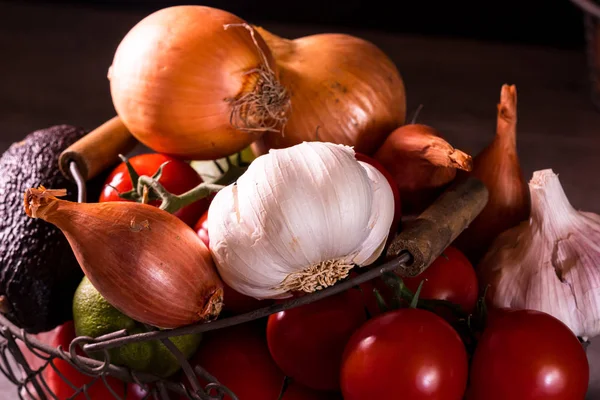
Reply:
x=35, y=200
x=541, y=177
x=317, y=276
x=264, y=104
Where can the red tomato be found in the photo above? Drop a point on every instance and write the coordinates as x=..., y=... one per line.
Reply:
x=177, y=177
x=237, y=303
x=395, y=190
x=234, y=302
x=201, y=228
x=367, y=290
x=405, y=354
x=296, y=391
x=307, y=342
x=239, y=358
x=450, y=277
x=64, y=335
x=525, y=354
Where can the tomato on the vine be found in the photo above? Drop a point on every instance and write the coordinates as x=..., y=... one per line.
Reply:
x=395, y=190
x=307, y=342
x=450, y=277
x=238, y=357
x=407, y=353
x=177, y=177
x=525, y=354
x=61, y=389
x=233, y=301
x=201, y=228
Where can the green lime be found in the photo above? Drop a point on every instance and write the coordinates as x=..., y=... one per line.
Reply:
x=93, y=316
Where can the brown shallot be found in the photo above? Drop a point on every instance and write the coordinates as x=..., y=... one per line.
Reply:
x=144, y=261
x=422, y=163
x=498, y=167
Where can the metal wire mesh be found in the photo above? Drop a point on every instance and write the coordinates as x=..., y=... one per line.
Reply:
x=32, y=384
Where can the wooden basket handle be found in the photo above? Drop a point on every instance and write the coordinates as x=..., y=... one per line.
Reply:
x=98, y=150
x=426, y=237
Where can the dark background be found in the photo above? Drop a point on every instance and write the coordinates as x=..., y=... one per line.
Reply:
x=556, y=23
x=453, y=56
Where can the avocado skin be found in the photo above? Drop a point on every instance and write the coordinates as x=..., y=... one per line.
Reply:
x=38, y=270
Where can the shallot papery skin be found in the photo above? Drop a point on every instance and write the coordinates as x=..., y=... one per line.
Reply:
x=145, y=262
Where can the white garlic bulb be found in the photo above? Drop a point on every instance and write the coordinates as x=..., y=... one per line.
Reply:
x=550, y=263
x=298, y=220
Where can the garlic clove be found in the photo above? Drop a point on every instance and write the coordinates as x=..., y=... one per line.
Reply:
x=382, y=214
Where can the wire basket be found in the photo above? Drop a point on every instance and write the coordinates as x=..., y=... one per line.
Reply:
x=591, y=11
x=419, y=243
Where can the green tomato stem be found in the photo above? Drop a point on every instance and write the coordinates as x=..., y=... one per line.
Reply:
x=173, y=203
x=403, y=295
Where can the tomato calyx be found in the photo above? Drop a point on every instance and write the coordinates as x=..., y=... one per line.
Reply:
x=403, y=297
x=284, y=386
x=137, y=194
x=468, y=325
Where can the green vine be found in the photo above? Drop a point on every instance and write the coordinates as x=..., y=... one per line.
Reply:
x=148, y=188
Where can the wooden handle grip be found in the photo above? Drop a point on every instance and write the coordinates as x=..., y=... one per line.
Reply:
x=98, y=149
x=426, y=237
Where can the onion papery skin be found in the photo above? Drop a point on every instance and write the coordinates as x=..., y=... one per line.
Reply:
x=176, y=76
x=343, y=90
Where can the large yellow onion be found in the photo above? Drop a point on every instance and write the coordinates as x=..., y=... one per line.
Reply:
x=185, y=85
x=343, y=90
x=200, y=83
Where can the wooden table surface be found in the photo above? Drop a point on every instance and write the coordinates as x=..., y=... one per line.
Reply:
x=54, y=60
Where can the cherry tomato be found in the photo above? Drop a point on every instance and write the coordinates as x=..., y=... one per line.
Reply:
x=395, y=190
x=201, y=228
x=307, y=342
x=524, y=354
x=233, y=301
x=64, y=335
x=239, y=358
x=407, y=353
x=450, y=277
x=177, y=177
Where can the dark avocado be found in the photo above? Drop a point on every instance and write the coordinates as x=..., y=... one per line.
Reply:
x=38, y=271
